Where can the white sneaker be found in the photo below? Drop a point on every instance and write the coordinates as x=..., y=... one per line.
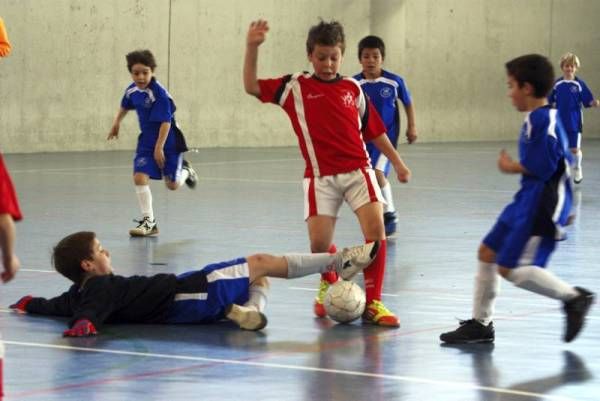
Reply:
x=577, y=175
x=145, y=228
x=247, y=318
x=357, y=258
x=192, y=177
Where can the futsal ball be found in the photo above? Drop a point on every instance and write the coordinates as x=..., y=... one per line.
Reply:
x=344, y=301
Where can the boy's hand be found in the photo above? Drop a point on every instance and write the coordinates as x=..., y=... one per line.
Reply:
x=505, y=162
x=159, y=156
x=595, y=103
x=257, y=33
x=114, y=132
x=21, y=305
x=411, y=134
x=81, y=328
x=403, y=173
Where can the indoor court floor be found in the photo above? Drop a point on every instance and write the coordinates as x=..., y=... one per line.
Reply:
x=250, y=200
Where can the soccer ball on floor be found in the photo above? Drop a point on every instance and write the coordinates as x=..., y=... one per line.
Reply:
x=344, y=301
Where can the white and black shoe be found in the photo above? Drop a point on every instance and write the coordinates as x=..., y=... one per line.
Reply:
x=192, y=177
x=144, y=228
x=357, y=258
x=245, y=317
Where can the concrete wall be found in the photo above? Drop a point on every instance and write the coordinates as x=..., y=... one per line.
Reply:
x=62, y=84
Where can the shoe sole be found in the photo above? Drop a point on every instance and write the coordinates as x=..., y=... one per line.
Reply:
x=480, y=341
x=143, y=235
x=247, y=320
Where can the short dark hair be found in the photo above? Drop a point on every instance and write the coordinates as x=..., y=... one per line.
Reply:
x=70, y=251
x=144, y=57
x=534, y=69
x=371, y=42
x=326, y=34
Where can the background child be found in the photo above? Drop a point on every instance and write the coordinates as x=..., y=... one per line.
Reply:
x=331, y=115
x=385, y=90
x=569, y=95
x=203, y=296
x=160, y=146
x=522, y=240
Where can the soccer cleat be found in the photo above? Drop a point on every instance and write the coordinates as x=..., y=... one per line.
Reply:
x=319, y=307
x=577, y=175
x=357, y=258
x=245, y=317
x=145, y=228
x=390, y=220
x=576, y=309
x=376, y=313
x=193, y=177
x=470, y=332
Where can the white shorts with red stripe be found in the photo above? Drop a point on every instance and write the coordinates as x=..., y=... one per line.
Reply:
x=323, y=196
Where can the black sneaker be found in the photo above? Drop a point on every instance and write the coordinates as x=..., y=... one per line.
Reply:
x=576, y=309
x=193, y=177
x=470, y=332
x=390, y=221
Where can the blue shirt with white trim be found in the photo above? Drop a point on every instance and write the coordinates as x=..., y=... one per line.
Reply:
x=154, y=106
x=570, y=96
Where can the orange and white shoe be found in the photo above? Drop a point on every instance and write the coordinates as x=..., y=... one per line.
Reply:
x=376, y=313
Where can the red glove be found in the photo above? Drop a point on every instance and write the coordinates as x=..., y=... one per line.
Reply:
x=81, y=328
x=21, y=305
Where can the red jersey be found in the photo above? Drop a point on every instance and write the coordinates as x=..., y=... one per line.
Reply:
x=330, y=120
x=8, y=197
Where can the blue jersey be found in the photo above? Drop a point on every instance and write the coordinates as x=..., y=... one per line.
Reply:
x=154, y=106
x=384, y=92
x=569, y=96
x=542, y=204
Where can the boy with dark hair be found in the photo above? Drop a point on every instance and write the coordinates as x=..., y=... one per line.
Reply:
x=569, y=95
x=385, y=90
x=219, y=290
x=520, y=243
x=160, y=145
x=332, y=119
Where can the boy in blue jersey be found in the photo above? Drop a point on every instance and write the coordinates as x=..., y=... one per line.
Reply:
x=569, y=95
x=160, y=145
x=522, y=240
x=234, y=289
x=385, y=90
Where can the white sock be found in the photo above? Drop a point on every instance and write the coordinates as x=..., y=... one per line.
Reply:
x=144, y=197
x=386, y=191
x=257, y=297
x=578, y=158
x=185, y=173
x=487, y=287
x=303, y=264
x=541, y=281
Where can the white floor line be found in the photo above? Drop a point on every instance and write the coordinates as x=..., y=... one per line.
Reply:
x=409, y=379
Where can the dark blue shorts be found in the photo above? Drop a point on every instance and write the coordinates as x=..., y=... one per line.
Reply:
x=143, y=162
x=516, y=247
x=218, y=285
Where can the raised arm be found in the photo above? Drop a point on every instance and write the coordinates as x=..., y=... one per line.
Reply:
x=257, y=33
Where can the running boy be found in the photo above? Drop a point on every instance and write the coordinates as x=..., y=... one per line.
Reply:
x=522, y=240
x=160, y=145
x=569, y=95
x=217, y=291
x=331, y=115
x=385, y=90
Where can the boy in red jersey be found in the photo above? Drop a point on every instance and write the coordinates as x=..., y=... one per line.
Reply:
x=332, y=119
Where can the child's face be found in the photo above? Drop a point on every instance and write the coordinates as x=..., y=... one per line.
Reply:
x=141, y=75
x=99, y=264
x=518, y=95
x=371, y=62
x=569, y=70
x=326, y=61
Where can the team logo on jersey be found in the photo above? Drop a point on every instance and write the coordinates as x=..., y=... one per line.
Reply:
x=386, y=92
x=311, y=96
x=141, y=162
x=348, y=99
x=147, y=102
x=574, y=89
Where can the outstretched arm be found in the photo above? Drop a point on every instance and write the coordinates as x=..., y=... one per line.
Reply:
x=257, y=33
x=114, y=130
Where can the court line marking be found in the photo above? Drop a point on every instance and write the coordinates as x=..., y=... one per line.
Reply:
x=410, y=379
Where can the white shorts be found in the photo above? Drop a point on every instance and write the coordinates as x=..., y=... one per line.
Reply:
x=323, y=196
